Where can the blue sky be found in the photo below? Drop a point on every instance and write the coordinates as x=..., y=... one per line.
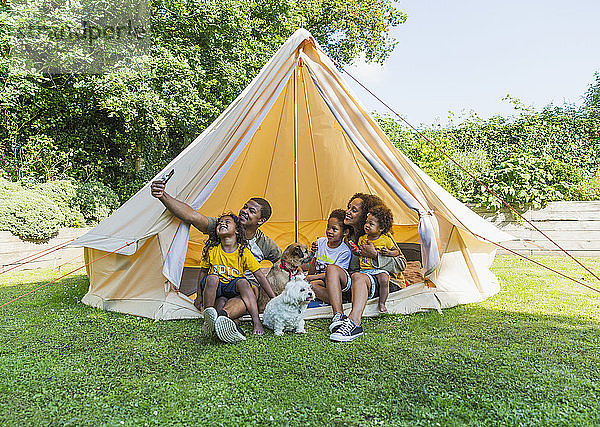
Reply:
x=467, y=55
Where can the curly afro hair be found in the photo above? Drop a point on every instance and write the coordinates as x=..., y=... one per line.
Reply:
x=384, y=217
x=369, y=201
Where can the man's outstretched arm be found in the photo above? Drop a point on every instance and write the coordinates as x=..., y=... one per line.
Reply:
x=181, y=210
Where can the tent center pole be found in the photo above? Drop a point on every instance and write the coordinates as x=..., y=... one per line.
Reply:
x=296, y=153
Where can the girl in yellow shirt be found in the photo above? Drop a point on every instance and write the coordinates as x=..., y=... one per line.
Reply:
x=225, y=259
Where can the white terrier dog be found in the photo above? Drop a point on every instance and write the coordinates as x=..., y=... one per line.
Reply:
x=286, y=311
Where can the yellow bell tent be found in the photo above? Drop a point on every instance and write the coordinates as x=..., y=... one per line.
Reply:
x=298, y=137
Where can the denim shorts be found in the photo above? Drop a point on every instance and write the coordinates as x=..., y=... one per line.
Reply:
x=372, y=272
x=346, y=290
x=227, y=290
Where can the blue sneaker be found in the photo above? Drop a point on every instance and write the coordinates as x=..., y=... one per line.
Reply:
x=316, y=303
x=349, y=331
x=337, y=321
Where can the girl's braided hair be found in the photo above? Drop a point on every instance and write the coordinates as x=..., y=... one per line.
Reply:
x=214, y=240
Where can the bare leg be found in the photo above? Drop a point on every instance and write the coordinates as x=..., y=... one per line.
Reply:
x=318, y=286
x=210, y=293
x=210, y=290
x=220, y=303
x=384, y=290
x=198, y=302
x=335, y=281
x=361, y=284
x=235, y=308
x=243, y=287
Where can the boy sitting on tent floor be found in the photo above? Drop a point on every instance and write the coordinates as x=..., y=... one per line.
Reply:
x=253, y=214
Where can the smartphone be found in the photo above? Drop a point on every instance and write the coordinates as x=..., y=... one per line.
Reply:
x=168, y=176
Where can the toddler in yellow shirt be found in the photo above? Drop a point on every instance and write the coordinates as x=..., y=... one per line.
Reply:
x=378, y=225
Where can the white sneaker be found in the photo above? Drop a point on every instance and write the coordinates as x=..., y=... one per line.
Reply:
x=337, y=321
x=210, y=317
x=228, y=331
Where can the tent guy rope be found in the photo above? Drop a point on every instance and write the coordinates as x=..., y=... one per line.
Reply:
x=65, y=275
x=465, y=170
x=37, y=255
x=58, y=267
x=538, y=263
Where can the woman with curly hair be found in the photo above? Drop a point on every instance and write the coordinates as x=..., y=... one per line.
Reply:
x=342, y=283
x=225, y=259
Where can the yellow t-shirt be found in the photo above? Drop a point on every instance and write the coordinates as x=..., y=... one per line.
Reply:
x=229, y=266
x=383, y=241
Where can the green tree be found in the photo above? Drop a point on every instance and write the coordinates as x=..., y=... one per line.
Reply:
x=592, y=96
x=123, y=125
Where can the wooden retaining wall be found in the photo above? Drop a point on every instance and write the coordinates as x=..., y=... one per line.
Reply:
x=575, y=226
x=13, y=249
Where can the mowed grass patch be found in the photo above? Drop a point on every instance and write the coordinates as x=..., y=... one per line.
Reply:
x=529, y=355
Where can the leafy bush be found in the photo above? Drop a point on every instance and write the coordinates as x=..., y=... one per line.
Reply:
x=64, y=194
x=588, y=190
x=38, y=213
x=558, y=132
x=421, y=152
x=475, y=161
x=30, y=215
x=524, y=181
x=40, y=158
x=527, y=160
x=96, y=201
x=8, y=187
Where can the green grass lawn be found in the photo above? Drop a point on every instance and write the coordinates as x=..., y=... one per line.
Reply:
x=529, y=355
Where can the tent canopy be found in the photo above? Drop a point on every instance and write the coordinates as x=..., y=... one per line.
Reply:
x=298, y=137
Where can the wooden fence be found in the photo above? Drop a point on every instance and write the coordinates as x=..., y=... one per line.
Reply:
x=13, y=249
x=575, y=226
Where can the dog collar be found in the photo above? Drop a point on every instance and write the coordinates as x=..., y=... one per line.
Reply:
x=284, y=267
